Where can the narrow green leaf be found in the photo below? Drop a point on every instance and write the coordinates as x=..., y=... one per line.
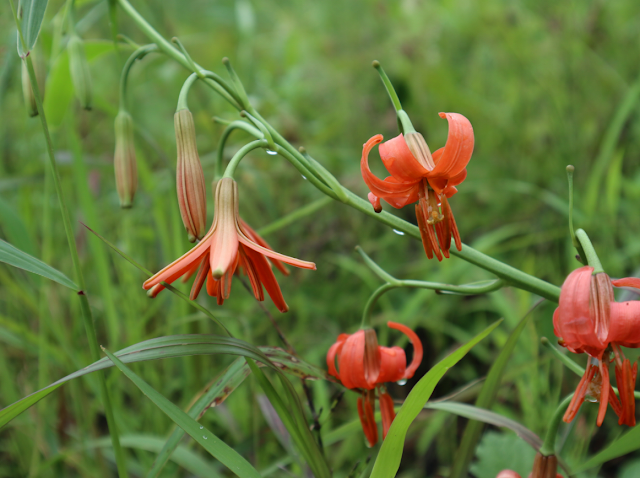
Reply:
x=388, y=460
x=183, y=456
x=31, y=14
x=166, y=347
x=216, y=447
x=485, y=400
x=627, y=443
x=13, y=256
x=215, y=393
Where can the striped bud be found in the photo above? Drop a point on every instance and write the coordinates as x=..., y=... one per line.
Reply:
x=79, y=67
x=124, y=160
x=27, y=91
x=192, y=195
x=418, y=146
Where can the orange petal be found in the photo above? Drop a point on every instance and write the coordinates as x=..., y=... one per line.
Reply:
x=580, y=393
x=351, y=362
x=224, y=243
x=274, y=255
x=604, y=391
x=417, y=347
x=265, y=277
x=393, y=364
x=367, y=420
x=454, y=157
x=627, y=282
x=624, y=328
x=331, y=355
x=424, y=235
x=400, y=162
x=201, y=277
x=255, y=237
x=387, y=411
x=377, y=186
x=375, y=202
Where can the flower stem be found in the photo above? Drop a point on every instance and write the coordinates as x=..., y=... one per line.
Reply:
x=549, y=445
x=184, y=92
x=242, y=152
x=136, y=55
x=223, y=141
x=590, y=252
x=574, y=240
x=84, y=302
x=387, y=84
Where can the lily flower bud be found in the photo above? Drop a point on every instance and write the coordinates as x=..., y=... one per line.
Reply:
x=190, y=183
x=27, y=91
x=79, y=68
x=420, y=149
x=124, y=160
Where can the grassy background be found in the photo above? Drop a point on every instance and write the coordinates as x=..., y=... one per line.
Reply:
x=545, y=84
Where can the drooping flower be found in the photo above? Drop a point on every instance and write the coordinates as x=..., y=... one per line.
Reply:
x=543, y=467
x=588, y=320
x=364, y=365
x=190, y=183
x=425, y=178
x=228, y=245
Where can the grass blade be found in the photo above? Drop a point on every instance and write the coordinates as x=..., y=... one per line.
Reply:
x=485, y=400
x=216, y=447
x=31, y=13
x=388, y=460
x=13, y=256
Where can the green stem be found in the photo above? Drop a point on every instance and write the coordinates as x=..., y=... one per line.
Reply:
x=405, y=122
x=549, y=445
x=510, y=275
x=377, y=270
x=184, y=92
x=84, y=302
x=192, y=64
x=124, y=77
x=387, y=84
x=223, y=141
x=242, y=152
x=590, y=252
x=263, y=129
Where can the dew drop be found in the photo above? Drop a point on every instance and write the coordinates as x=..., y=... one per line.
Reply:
x=399, y=233
x=590, y=399
x=272, y=153
x=402, y=382
x=205, y=437
x=303, y=177
x=201, y=428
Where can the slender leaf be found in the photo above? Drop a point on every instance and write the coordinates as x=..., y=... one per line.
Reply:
x=215, y=394
x=166, y=347
x=31, y=14
x=216, y=447
x=627, y=443
x=485, y=400
x=13, y=256
x=388, y=460
x=182, y=456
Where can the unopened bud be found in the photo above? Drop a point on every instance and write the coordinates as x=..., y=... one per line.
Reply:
x=27, y=91
x=192, y=194
x=124, y=160
x=418, y=146
x=79, y=67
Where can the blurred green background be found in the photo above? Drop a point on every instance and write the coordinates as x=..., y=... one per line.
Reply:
x=545, y=84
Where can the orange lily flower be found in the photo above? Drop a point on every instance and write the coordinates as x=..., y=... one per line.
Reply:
x=588, y=320
x=229, y=244
x=418, y=176
x=365, y=365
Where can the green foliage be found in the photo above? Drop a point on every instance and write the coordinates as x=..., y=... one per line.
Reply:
x=502, y=451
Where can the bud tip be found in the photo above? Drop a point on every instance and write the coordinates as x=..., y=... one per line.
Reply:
x=375, y=64
x=225, y=60
x=570, y=168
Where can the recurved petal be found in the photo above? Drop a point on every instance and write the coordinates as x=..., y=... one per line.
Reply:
x=454, y=157
x=266, y=278
x=624, y=328
x=417, y=347
x=387, y=411
x=627, y=282
x=245, y=241
x=255, y=237
x=400, y=162
x=393, y=364
x=331, y=355
x=382, y=189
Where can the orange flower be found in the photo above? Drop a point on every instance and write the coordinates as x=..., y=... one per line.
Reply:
x=588, y=320
x=418, y=176
x=365, y=365
x=229, y=244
